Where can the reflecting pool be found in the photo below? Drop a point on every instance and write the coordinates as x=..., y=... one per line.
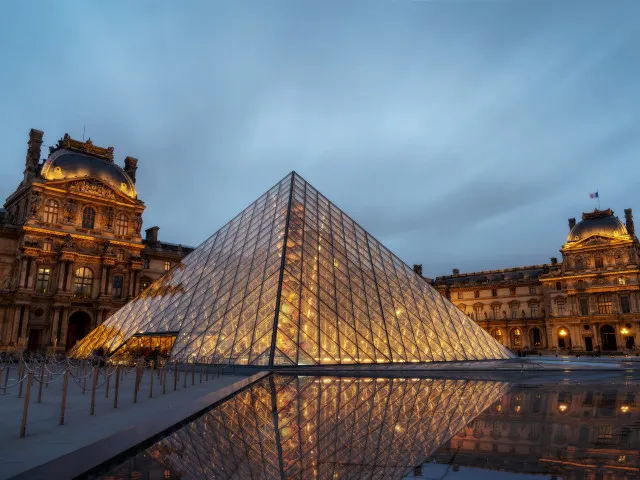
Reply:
x=344, y=427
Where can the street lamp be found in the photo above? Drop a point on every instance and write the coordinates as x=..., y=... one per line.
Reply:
x=562, y=332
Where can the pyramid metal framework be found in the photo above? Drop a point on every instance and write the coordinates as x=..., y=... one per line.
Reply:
x=292, y=280
x=322, y=428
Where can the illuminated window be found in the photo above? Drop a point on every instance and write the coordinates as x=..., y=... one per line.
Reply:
x=516, y=337
x=534, y=309
x=88, y=218
x=117, y=286
x=167, y=266
x=122, y=224
x=604, y=304
x=495, y=311
x=42, y=279
x=47, y=245
x=622, y=281
x=560, y=307
x=625, y=306
x=83, y=282
x=497, y=334
x=598, y=261
x=51, y=208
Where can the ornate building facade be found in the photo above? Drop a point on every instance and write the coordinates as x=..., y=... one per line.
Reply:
x=71, y=251
x=589, y=301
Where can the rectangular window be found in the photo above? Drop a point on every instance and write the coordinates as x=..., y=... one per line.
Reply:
x=494, y=292
x=145, y=262
x=47, y=245
x=560, y=307
x=495, y=311
x=117, y=286
x=512, y=290
x=584, y=306
x=167, y=266
x=532, y=290
x=624, y=304
x=514, y=310
x=42, y=280
x=476, y=294
x=534, y=310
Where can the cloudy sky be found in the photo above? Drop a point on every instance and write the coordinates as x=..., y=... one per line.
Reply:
x=459, y=133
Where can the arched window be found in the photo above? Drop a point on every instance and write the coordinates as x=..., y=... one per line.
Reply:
x=122, y=224
x=516, y=337
x=598, y=261
x=497, y=334
x=51, y=208
x=83, y=282
x=88, y=218
x=604, y=303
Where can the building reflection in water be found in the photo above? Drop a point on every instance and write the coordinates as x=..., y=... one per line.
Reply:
x=336, y=427
x=570, y=432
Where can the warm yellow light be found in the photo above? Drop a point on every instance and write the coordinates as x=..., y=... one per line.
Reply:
x=563, y=407
x=624, y=331
x=562, y=332
x=624, y=408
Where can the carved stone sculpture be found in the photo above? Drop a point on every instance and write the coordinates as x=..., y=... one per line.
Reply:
x=137, y=223
x=35, y=203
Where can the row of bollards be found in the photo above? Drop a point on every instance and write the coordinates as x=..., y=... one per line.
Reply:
x=43, y=376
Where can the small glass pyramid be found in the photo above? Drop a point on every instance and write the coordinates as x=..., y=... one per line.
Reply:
x=292, y=280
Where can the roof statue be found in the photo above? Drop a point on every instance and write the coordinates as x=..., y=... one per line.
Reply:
x=293, y=280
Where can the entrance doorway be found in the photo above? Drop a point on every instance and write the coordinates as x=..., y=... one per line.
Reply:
x=78, y=327
x=588, y=344
x=608, y=335
x=630, y=342
x=33, y=343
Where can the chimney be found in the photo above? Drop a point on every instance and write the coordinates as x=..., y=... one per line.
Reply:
x=151, y=234
x=554, y=261
x=572, y=223
x=33, y=154
x=130, y=167
x=628, y=220
x=456, y=271
x=418, y=269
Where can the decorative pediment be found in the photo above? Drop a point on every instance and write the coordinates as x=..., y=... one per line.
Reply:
x=596, y=241
x=92, y=187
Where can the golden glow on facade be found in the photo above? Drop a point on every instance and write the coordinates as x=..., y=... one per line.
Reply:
x=292, y=280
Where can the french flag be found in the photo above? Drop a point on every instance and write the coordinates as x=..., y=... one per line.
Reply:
x=593, y=195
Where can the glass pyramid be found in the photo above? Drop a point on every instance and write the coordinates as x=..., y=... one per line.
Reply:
x=321, y=428
x=292, y=280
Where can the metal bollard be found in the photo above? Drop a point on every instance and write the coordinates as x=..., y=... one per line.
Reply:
x=93, y=390
x=115, y=394
x=41, y=382
x=23, y=426
x=151, y=382
x=65, y=384
x=106, y=391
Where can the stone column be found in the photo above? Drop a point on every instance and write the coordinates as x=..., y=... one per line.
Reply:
x=54, y=327
x=64, y=315
x=31, y=281
x=70, y=276
x=103, y=278
x=25, y=323
x=24, y=265
x=61, y=270
x=16, y=324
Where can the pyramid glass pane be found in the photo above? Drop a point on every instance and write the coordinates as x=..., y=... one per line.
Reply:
x=293, y=280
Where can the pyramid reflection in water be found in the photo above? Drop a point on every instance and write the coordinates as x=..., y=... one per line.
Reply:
x=292, y=280
x=319, y=427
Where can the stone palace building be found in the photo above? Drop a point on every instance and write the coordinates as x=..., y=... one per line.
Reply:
x=71, y=252
x=587, y=302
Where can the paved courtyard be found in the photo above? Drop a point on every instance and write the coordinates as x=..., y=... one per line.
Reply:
x=45, y=439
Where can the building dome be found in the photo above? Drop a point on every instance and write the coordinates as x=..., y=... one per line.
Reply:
x=597, y=223
x=66, y=164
